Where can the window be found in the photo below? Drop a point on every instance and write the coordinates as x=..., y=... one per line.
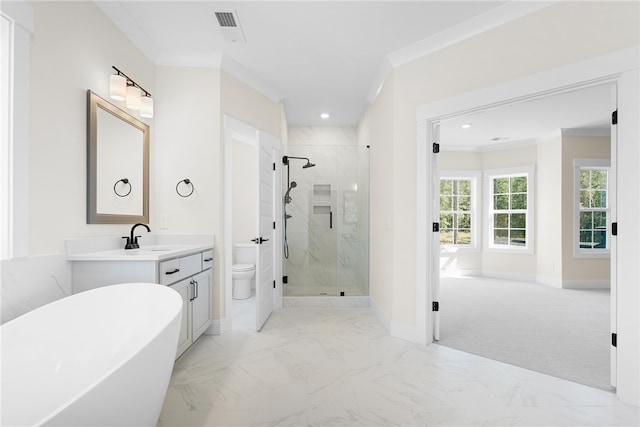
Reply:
x=17, y=27
x=458, y=217
x=592, y=207
x=510, y=209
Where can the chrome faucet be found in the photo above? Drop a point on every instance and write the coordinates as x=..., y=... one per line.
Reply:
x=132, y=241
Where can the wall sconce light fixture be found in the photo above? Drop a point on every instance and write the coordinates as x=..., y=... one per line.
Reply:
x=122, y=88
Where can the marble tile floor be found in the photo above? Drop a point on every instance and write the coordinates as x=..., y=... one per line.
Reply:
x=244, y=313
x=340, y=367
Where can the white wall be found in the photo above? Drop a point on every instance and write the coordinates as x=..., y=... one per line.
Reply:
x=549, y=211
x=244, y=193
x=72, y=49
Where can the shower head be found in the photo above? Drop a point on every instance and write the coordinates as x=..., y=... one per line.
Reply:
x=287, y=198
x=285, y=160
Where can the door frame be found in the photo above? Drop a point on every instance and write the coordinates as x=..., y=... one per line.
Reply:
x=236, y=129
x=612, y=68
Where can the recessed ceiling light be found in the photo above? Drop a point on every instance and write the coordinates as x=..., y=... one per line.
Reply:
x=324, y=116
x=466, y=126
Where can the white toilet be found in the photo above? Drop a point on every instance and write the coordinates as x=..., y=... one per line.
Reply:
x=244, y=269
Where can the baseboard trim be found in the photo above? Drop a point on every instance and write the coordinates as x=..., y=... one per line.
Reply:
x=397, y=329
x=543, y=280
x=322, y=301
x=219, y=327
x=586, y=284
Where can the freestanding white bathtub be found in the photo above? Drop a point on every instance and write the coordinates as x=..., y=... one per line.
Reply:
x=101, y=357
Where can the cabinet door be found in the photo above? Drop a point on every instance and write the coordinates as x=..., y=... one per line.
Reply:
x=185, y=337
x=201, y=304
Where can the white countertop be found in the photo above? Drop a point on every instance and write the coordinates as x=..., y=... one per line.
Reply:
x=152, y=247
x=145, y=253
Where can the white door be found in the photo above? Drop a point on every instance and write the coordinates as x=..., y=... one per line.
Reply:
x=265, y=238
x=613, y=242
x=434, y=271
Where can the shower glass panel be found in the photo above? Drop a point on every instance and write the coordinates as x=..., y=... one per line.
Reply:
x=326, y=220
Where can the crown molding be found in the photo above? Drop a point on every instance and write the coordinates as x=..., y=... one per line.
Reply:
x=466, y=30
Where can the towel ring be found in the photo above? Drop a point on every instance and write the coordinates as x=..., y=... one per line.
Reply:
x=187, y=181
x=125, y=181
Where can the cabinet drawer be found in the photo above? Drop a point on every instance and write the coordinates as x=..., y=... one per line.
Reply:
x=190, y=265
x=207, y=259
x=169, y=271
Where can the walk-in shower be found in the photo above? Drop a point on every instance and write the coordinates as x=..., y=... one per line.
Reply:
x=326, y=221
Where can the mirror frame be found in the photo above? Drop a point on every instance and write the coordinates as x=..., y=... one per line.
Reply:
x=93, y=217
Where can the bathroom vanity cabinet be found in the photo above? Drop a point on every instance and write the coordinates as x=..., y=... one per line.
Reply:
x=186, y=269
x=193, y=274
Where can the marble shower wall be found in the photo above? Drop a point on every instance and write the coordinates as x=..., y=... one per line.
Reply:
x=328, y=233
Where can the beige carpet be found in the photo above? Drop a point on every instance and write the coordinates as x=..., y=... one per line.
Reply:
x=560, y=332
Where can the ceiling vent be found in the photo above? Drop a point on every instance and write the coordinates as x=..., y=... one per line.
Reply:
x=230, y=25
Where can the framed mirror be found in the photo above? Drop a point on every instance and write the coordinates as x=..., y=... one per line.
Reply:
x=117, y=165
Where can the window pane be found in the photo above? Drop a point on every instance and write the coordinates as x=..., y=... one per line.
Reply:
x=501, y=202
x=586, y=239
x=518, y=220
x=519, y=201
x=519, y=184
x=600, y=237
x=599, y=199
x=585, y=199
x=599, y=179
x=445, y=203
x=464, y=203
x=518, y=237
x=501, y=237
x=501, y=186
x=464, y=237
x=446, y=221
x=464, y=187
x=446, y=237
x=586, y=220
x=464, y=221
x=585, y=179
x=446, y=186
x=501, y=221
x=599, y=219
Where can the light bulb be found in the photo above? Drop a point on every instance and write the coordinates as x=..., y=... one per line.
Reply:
x=146, y=107
x=117, y=87
x=133, y=97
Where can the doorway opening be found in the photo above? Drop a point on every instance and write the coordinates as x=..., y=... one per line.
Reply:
x=252, y=289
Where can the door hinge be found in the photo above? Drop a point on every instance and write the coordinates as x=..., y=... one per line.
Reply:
x=274, y=225
x=614, y=118
x=436, y=148
x=435, y=306
x=436, y=227
x=614, y=228
x=274, y=284
x=285, y=279
x=614, y=339
x=274, y=166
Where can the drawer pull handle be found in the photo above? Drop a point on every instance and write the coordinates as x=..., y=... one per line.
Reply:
x=208, y=259
x=174, y=271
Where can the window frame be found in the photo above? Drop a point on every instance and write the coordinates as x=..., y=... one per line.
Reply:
x=14, y=159
x=490, y=175
x=578, y=166
x=476, y=221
